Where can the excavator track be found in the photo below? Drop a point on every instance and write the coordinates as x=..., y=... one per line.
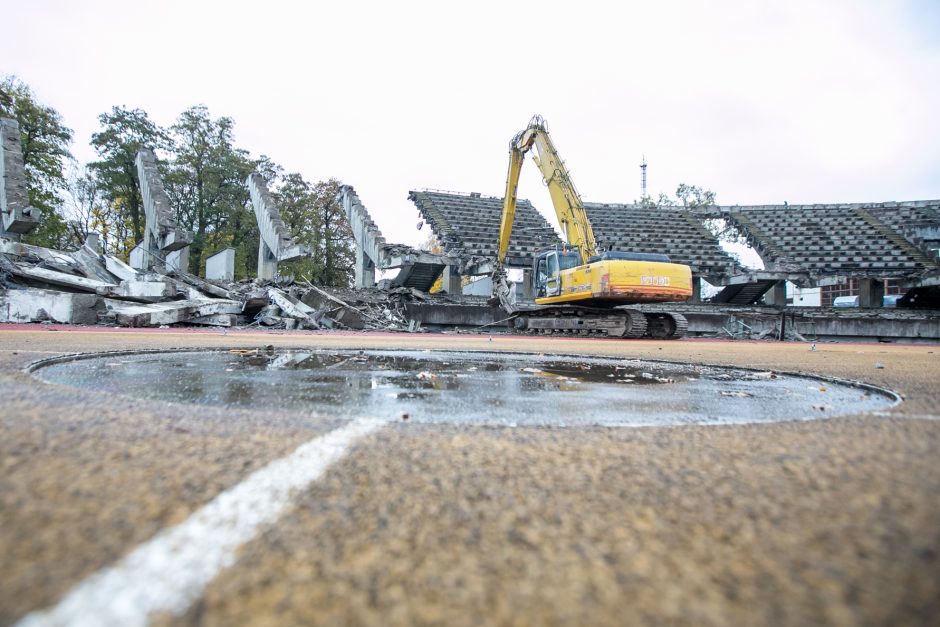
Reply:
x=625, y=323
x=666, y=326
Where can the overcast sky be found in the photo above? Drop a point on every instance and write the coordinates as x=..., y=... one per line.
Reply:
x=762, y=102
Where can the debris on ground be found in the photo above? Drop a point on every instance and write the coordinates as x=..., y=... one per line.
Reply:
x=86, y=286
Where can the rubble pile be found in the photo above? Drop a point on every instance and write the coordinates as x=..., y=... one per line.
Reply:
x=86, y=286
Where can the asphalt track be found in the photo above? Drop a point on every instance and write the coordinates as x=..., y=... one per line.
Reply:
x=833, y=521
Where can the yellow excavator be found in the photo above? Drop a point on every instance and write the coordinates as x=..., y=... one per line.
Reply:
x=577, y=287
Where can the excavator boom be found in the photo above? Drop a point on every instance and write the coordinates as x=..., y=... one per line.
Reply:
x=565, y=198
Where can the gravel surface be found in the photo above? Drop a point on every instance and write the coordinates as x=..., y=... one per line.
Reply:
x=826, y=522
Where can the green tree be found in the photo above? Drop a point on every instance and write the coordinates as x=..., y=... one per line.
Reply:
x=45, y=140
x=693, y=196
x=123, y=133
x=206, y=182
x=314, y=217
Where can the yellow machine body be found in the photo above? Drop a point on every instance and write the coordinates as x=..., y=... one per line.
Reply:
x=621, y=282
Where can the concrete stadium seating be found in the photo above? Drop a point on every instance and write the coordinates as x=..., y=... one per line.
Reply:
x=847, y=240
x=468, y=225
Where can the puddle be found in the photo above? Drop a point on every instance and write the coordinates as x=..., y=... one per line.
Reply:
x=468, y=387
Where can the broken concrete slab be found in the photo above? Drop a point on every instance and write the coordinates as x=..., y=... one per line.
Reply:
x=53, y=277
x=92, y=264
x=37, y=305
x=120, y=269
x=215, y=320
x=353, y=315
x=27, y=252
x=145, y=291
x=293, y=307
x=350, y=318
x=200, y=284
x=157, y=314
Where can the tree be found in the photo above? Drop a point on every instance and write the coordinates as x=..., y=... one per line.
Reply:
x=123, y=133
x=693, y=196
x=83, y=206
x=206, y=182
x=314, y=217
x=45, y=140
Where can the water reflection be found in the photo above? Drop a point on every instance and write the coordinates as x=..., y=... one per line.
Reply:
x=465, y=387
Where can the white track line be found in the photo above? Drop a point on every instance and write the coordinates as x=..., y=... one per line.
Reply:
x=169, y=572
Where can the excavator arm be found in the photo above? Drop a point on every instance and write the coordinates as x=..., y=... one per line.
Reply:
x=565, y=198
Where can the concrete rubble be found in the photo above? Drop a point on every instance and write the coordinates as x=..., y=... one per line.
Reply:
x=416, y=268
x=85, y=286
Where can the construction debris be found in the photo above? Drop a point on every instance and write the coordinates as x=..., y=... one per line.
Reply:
x=87, y=287
x=36, y=305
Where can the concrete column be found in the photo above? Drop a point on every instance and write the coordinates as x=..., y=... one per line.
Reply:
x=161, y=233
x=365, y=269
x=871, y=293
x=267, y=262
x=221, y=266
x=178, y=260
x=138, y=257
x=276, y=241
x=451, y=280
x=93, y=243
x=696, y=290
x=16, y=216
x=777, y=296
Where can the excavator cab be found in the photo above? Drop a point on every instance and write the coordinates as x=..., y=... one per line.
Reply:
x=548, y=265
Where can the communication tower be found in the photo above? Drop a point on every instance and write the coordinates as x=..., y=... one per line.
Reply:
x=643, y=178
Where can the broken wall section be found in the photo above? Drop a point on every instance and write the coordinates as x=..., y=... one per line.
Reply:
x=276, y=243
x=17, y=216
x=417, y=269
x=165, y=244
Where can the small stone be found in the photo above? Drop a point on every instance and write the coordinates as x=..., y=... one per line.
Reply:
x=879, y=366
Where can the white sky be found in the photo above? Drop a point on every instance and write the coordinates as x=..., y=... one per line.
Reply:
x=803, y=101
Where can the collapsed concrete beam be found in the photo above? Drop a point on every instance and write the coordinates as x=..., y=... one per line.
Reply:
x=140, y=291
x=28, y=251
x=752, y=276
x=293, y=307
x=276, y=243
x=120, y=269
x=369, y=240
x=17, y=216
x=418, y=269
x=145, y=291
x=53, y=277
x=158, y=314
x=36, y=305
x=162, y=236
x=214, y=320
x=199, y=284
